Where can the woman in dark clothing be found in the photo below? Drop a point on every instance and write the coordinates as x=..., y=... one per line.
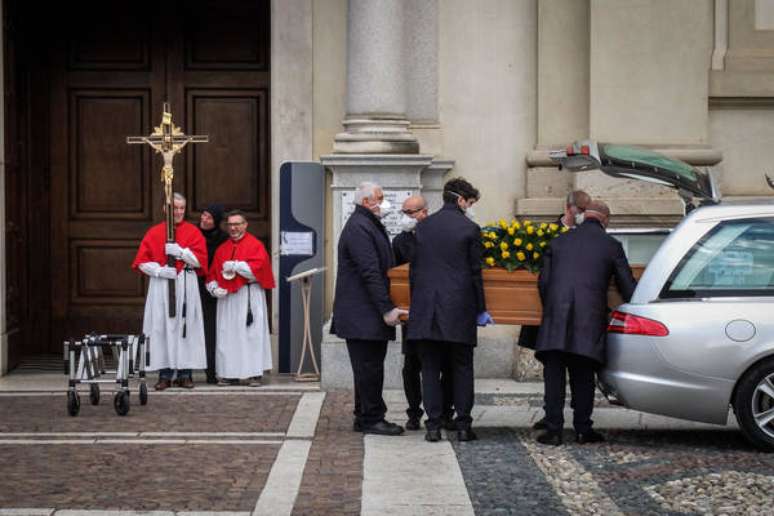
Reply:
x=209, y=225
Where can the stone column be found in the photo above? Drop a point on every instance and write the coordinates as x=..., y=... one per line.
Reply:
x=376, y=85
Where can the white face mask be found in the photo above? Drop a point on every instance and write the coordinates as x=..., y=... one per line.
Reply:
x=384, y=208
x=579, y=218
x=407, y=223
x=469, y=213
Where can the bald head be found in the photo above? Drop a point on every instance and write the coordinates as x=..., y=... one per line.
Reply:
x=415, y=207
x=598, y=210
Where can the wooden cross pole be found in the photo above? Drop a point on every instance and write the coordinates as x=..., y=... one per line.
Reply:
x=168, y=140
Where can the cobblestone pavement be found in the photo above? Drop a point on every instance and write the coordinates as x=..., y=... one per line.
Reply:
x=285, y=451
x=334, y=470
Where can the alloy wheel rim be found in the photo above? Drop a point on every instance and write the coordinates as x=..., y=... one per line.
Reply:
x=763, y=405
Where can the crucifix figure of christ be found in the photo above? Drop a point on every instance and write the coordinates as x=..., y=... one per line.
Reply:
x=168, y=140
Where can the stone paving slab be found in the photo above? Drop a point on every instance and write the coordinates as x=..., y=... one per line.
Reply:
x=208, y=477
x=222, y=413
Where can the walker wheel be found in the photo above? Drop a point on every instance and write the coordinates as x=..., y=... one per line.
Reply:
x=121, y=403
x=73, y=403
x=143, y=394
x=94, y=394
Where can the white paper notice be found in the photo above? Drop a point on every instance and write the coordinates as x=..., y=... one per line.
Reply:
x=297, y=243
x=391, y=222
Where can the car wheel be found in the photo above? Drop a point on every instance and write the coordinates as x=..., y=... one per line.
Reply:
x=754, y=405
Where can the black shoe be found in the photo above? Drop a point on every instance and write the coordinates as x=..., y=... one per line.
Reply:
x=540, y=425
x=589, y=437
x=466, y=435
x=550, y=438
x=433, y=436
x=448, y=423
x=413, y=423
x=211, y=380
x=383, y=428
x=357, y=426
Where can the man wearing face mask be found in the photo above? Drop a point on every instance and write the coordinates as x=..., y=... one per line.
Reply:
x=573, y=215
x=363, y=313
x=447, y=303
x=573, y=328
x=414, y=210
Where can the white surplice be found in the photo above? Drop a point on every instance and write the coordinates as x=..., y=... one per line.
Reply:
x=168, y=347
x=243, y=351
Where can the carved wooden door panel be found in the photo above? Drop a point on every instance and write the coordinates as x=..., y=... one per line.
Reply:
x=210, y=59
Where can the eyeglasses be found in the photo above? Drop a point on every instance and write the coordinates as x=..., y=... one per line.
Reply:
x=235, y=224
x=411, y=212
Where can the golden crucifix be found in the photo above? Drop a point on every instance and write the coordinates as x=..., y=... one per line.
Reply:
x=168, y=140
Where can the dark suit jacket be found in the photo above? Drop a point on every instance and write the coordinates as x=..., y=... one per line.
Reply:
x=362, y=287
x=573, y=283
x=404, y=245
x=447, y=292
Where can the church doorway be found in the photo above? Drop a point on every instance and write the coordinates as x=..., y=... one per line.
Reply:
x=80, y=77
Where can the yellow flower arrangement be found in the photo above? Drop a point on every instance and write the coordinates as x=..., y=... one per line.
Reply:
x=517, y=244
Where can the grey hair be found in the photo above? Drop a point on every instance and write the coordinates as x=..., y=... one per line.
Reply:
x=364, y=190
x=177, y=196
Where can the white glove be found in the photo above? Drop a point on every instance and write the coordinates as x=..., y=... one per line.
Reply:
x=167, y=272
x=173, y=249
x=392, y=318
x=150, y=268
x=243, y=269
x=228, y=266
x=219, y=292
x=212, y=285
x=188, y=257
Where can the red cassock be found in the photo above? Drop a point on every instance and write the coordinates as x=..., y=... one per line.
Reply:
x=186, y=235
x=248, y=249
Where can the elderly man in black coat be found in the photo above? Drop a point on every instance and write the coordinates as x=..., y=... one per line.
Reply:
x=447, y=302
x=363, y=313
x=577, y=268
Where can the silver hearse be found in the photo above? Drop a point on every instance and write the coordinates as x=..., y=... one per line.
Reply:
x=697, y=336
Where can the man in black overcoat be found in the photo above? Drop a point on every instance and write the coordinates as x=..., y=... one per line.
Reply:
x=414, y=210
x=447, y=303
x=577, y=268
x=363, y=313
x=209, y=225
x=574, y=208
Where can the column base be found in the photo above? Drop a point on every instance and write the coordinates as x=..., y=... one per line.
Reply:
x=376, y=135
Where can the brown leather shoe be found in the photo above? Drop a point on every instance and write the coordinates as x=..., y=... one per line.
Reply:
x=162, y=384
x=186, y=383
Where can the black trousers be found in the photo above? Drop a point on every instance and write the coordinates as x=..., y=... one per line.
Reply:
x=556, y=364
x=209, y=314
x=367, y=360
x=460, y=359
x=412, y=384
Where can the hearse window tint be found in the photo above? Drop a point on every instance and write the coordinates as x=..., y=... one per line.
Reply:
x=736, y=258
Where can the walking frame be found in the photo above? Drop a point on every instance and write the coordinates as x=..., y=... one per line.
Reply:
x=84, y=363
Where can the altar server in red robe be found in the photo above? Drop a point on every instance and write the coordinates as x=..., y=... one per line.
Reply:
x=239, y=277
x=176, y=343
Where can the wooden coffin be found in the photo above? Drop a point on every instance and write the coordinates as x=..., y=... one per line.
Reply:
x=511, y=297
